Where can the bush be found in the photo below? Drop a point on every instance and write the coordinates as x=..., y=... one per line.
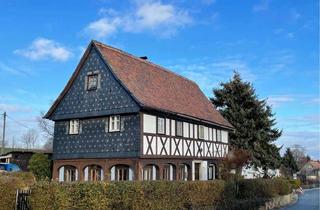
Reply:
x=125, y=195
x=263, y=188
x=295, y=183
x=39, y=165
x=9, y=183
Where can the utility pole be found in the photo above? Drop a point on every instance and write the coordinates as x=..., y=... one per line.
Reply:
x=3, y=132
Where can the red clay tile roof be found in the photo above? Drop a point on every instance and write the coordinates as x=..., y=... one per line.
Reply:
x=158, y=88
x=315, y=164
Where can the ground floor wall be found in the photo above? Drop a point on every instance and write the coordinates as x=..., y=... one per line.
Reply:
x=135, y=169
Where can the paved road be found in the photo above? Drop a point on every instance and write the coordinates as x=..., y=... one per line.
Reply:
x=308, y=201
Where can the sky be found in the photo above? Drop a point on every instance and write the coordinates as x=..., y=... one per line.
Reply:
x=273, y=44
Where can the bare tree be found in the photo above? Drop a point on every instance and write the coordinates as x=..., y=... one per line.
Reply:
x=299, y=154
x=45, y=125
x=47, y=128
x=29, y=139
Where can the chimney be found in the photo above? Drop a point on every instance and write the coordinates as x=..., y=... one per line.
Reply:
x=144, y=57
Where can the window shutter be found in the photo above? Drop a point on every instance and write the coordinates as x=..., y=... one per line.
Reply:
x=99, y=80
x=80, y=126
x=107, y=125
x=67, y=127
x=122, y=121
x=86, y=82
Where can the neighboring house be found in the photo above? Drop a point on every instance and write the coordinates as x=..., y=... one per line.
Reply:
x=21, y=157
x=121, y=117
x=310, y=172
x=250, y=172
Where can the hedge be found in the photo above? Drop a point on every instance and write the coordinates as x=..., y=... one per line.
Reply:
x=263, y=188
x=9, y=183
x=243, y=194
x=126, y=195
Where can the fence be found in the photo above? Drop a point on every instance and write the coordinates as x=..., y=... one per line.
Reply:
x=22, y=202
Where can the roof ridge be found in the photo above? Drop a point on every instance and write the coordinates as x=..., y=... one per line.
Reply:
x=142, y=60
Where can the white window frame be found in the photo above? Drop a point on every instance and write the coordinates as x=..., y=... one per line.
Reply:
x=177, y=130
x=114, y=123
x=161, y=124
x=96, y=77
x=74, y=126
x=201, y=132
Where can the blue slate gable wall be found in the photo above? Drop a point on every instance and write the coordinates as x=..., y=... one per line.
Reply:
x=110, y=98
x=95, y=142
x=93, y=109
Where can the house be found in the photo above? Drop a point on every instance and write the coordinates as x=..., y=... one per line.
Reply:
x=310, y=172
x=121, y=117
x=251, y=172
x=21, y=157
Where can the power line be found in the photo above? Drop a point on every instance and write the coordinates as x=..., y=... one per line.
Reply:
x=25, y=126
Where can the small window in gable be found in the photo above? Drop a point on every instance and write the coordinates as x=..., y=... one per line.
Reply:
x=201, y=132
x=74, y=127
x=179, y=128
x=114, y=123
x=92, y=82
x=161, y=125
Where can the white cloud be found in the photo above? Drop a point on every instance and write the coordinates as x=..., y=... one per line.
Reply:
x=308, y=139
x=276, y=101
x=103, y=27
x=42, y=48
x=14, y=108
x=262, y=6
x=154, y=16
x=6, y=68
x=151, y=15
x=209, y=73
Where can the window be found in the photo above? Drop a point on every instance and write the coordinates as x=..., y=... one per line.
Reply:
x=183, y=172
x=219, y=136
x=70, y=174
x=179, y=128
x=169, y=172
x=211, y=172
x=150, y=172
x=92, y=83
x=114, y=124
x=161, y=125
x=201, y=132
x=74, y=127
x=122, y=173
x=93, y=173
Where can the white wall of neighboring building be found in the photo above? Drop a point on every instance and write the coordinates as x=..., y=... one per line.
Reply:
x=253, y=173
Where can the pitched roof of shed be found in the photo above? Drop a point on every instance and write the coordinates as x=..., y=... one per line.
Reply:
x=154, y=87
x=158, y=88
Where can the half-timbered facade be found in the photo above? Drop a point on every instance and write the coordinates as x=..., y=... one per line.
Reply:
x=121, y=117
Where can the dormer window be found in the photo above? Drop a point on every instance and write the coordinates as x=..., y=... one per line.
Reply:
x=114, y=124
x=74, y=127
x=92, y=83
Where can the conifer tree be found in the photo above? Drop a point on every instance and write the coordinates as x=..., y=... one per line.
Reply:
x=289, y=162
x=252, y=119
